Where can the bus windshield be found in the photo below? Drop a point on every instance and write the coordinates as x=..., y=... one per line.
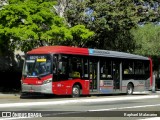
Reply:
x=37, y=65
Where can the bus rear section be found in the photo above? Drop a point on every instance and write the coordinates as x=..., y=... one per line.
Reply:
x=117, y=75
x=137, y=74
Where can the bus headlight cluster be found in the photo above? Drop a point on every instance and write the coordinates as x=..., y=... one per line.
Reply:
x=47, y=81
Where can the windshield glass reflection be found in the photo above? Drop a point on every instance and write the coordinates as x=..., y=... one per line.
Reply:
x=37, y=66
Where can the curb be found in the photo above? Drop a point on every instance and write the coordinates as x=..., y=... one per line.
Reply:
x=9, y=96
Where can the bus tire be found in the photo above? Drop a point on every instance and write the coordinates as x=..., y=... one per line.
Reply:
x=130, y=89
x=48, y=95
x=75, y=91
x=22, y=95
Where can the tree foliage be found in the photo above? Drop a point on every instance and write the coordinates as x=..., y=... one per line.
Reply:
x=27, y=24
x=110, y=20
x=80, y=35
x=147, y=40
x=148, y=10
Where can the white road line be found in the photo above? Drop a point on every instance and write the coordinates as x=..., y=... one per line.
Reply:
x=144, y=92
x=121, y=108
x=153, y=118
x=14, y=118
x=9, y=105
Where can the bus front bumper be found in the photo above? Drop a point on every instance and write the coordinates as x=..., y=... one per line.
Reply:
x=44, y=88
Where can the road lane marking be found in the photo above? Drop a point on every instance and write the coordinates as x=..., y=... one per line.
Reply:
x=121, y=108
x=153, y=118
x=15, y=118
x=79, y=100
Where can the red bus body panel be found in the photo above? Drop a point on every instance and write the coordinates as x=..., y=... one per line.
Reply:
x=35, y=80
x=65, y=87
x=59, y=49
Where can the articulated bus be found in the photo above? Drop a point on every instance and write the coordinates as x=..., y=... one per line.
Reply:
x=64, y=70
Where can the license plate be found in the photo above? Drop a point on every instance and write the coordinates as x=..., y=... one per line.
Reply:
x=31, y=90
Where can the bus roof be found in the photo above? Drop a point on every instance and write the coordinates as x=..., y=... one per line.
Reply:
x=115, y=54
x=59, y=49
x=85, y=51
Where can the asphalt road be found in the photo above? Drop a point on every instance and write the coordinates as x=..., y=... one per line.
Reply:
x=112, y=107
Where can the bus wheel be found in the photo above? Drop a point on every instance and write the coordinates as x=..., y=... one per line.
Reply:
x=130, y=89
x=76, y=91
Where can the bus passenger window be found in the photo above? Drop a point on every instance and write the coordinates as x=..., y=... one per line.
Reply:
x=105, y=70
x=128, y=67
x=75, y=67
x=126, y=71
x=62, y=68
x=139, y=68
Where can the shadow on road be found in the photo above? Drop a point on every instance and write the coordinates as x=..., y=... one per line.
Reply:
x=51, y=96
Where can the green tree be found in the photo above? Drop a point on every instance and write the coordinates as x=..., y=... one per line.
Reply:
x=148, y=10
x=112, y=23
x=147, y=38
x=77, y=14
x=111, y=20
x=80, y=35
x=75, y=11
x=29, y=23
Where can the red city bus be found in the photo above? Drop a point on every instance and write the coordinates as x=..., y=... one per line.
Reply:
x=64, y=70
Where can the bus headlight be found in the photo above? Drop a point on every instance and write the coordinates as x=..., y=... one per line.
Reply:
x=47, y=81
